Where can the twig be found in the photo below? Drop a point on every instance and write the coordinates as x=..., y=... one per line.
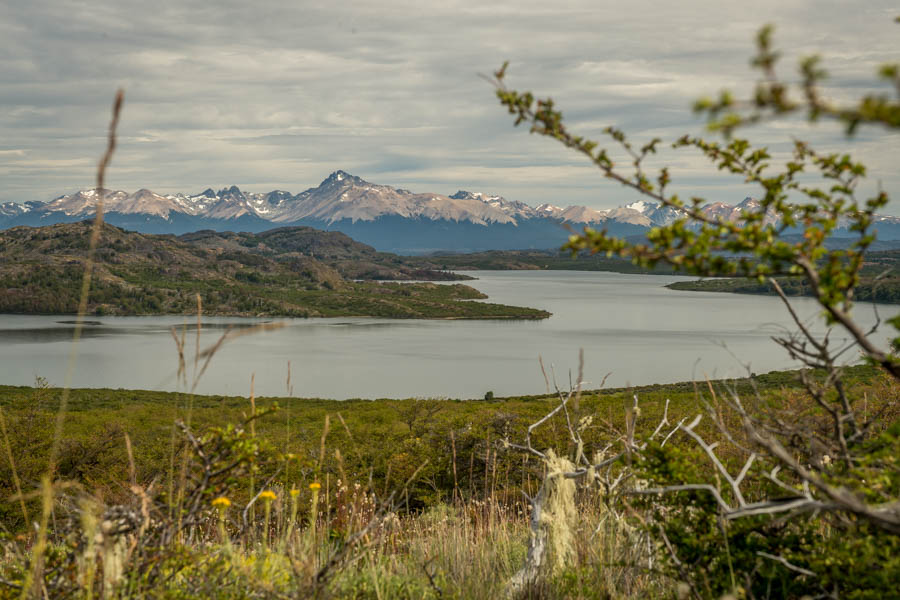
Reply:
x=784, y=561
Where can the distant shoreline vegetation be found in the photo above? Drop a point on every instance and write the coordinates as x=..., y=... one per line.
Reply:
x=886, y=291
x=880, y=277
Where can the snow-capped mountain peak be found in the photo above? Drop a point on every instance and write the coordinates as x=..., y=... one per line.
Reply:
x=513, y=208
x=351, y=204
x=642, y=206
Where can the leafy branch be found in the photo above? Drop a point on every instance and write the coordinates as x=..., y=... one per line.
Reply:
x=754, y=245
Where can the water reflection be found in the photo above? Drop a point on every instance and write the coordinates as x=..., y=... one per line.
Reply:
x=52, y=332
x=27, y=335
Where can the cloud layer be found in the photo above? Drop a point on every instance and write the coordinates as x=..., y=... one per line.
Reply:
x=271, y=95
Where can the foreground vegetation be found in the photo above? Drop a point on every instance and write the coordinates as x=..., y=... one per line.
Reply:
x=136, y=274
x=371, y=434
x=369, y=499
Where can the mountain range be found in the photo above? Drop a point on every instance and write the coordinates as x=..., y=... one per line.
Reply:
x=390, y=219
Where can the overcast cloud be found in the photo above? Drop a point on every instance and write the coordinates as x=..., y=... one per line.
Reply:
x=276, y=95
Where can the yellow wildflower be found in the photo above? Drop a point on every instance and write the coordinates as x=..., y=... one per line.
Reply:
x=221, y=502
x=267, y=495
x=295, y=492
x=315, y=485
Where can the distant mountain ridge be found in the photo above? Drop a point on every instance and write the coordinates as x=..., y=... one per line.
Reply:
x=388, y=218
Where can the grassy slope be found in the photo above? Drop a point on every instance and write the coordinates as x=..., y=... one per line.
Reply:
x=399, y=433
x=41, y=268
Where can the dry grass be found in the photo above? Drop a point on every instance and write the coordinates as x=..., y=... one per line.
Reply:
x=354, y=549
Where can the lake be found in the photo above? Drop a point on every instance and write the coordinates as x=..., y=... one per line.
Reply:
x=629, y=326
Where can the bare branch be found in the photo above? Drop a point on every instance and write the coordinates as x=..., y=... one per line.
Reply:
x=784, y=561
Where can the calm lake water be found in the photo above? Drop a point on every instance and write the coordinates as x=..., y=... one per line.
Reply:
x=629, y=326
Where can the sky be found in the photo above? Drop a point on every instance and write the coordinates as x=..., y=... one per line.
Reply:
x=276, y=95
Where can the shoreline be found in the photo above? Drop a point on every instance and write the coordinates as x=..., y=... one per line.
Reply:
x=769, y=380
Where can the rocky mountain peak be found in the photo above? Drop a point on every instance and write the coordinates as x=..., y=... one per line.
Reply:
x=488, y=198
x=14, y=209
x=278, y=196
x=234, y=191
x=513, y=208
x=343, y=178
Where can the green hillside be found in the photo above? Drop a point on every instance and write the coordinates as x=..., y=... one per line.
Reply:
x=142, y=274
